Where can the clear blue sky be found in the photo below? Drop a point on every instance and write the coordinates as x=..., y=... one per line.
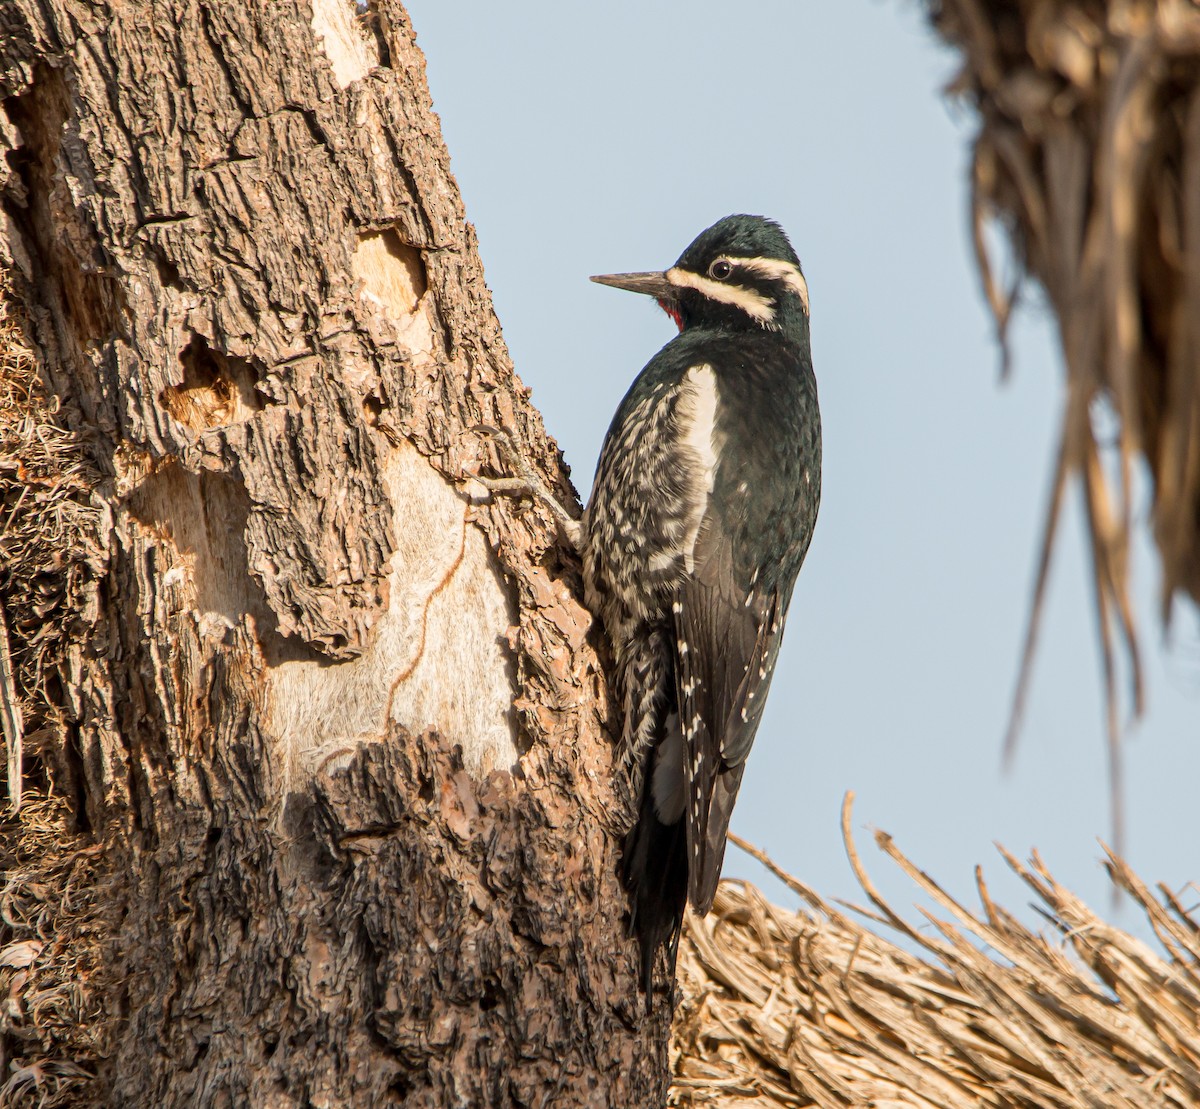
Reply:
x=593, y=139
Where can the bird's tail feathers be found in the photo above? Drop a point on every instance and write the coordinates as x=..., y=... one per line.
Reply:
x=654, y=871
x=703, y=879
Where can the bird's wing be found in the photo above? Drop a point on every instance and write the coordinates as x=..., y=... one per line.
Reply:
x=728, y=633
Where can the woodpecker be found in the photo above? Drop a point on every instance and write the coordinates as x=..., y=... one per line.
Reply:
x=702, y=511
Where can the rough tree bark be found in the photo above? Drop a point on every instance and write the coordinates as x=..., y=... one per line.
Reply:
x=334, y=718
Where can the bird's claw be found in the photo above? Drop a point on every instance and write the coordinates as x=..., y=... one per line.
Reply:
x=526, y=483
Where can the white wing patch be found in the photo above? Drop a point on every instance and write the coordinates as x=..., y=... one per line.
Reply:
x=698, y=423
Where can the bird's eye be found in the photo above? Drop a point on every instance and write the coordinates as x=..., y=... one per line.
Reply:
x=720, y=270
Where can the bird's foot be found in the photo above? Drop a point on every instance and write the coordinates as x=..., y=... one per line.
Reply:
x=526, y=483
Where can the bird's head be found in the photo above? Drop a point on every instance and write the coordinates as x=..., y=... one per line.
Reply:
x=739, y=274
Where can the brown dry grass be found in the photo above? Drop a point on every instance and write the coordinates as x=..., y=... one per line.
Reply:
x=1087, y=158
x=813, y=1008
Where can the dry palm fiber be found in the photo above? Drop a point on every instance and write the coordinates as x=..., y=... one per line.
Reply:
x=53, y=913
x=46, y=520
x=811, y=1008
x=1088, y=157
x=56, y=916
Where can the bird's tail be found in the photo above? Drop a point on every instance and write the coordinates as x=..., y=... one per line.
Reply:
x=655, y=873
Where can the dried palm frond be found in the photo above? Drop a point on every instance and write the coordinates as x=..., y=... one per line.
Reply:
x=812, y=1008
x=1088, y=156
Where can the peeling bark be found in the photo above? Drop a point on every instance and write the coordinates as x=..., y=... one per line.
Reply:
x=337, y=718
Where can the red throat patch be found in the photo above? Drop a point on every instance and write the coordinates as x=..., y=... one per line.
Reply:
x=672, y=310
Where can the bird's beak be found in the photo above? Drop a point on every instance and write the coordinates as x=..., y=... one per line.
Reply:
x=652, y=284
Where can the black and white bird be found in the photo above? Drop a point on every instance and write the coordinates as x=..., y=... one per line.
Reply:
x=702, y=511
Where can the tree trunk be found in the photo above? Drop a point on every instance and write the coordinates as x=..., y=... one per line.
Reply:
x=335, y=719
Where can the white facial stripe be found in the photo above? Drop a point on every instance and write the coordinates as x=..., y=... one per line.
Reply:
x=754, y=304
x=777, y=270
